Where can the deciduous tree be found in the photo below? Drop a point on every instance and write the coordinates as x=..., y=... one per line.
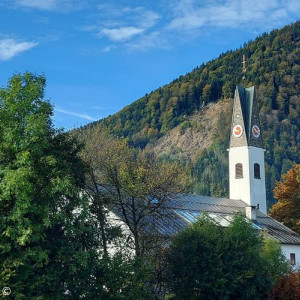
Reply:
x=287, y=192
x=46, y=244
x=287, y=287
x=207, y=261
x=95, y=153
x=134, y=185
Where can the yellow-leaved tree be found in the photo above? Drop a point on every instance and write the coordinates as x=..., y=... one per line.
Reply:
x=287, y=192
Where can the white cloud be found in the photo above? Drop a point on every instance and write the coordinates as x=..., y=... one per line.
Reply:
x=168, y=23
x=292, y=5
x=48, y=5
x=10, y=48
x=108, y=48
x=192, y=14
x=122, y=34
x=39, y=4
x=75, y=114
x=145, y=18
x=122, y=24
x=150, y=41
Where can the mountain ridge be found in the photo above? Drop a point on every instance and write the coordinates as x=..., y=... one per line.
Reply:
x=273, y=68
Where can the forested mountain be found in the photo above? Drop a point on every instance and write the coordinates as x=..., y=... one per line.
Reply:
x=273, y=66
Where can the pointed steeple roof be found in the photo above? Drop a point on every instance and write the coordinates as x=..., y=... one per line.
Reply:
x=245, y=127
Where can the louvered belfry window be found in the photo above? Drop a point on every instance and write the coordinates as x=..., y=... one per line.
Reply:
x=257, y=171
x=238, y=170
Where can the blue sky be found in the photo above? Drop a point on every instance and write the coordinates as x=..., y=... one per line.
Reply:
x=99, y=56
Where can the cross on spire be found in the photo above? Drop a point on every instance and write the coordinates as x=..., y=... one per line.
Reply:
x=244, y=65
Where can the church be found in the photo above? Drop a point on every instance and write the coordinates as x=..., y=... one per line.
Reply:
x=247, y=192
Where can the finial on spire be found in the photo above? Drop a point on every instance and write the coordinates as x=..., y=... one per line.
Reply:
x=244, y=65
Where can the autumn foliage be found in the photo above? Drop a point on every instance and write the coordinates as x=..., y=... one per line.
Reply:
x=287, y=192
x=287, y=287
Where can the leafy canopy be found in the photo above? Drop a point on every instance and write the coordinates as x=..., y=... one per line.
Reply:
x=134, y=184
x=207, y=261
x=44, y=244
x=287, y=192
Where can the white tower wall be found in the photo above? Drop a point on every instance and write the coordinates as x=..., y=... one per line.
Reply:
x=258, y=185
x=239, y=188
x=248, y=189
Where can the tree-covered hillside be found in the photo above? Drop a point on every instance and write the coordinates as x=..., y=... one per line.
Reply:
x=273, y=66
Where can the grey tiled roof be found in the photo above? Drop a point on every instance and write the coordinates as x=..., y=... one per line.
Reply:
x=179, y=213
x=277, y=230
x=225, y=209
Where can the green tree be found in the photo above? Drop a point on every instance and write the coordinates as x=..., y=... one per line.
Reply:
x=228, y=89
x=96, y=142
x=206, y=93
x=277, y=264
x=135, y=185
x=46, y=247
x=207, y=261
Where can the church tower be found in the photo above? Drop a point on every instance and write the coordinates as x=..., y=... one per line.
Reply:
x=246, y=153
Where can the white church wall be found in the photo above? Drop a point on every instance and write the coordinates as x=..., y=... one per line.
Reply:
x=258, y=186
x=288, y=249
x=124, y=242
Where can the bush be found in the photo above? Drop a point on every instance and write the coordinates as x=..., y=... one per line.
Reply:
x=207, y=261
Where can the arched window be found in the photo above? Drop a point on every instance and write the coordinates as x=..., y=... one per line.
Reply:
x=292, y=259
x=238, y=170
x=257, y=171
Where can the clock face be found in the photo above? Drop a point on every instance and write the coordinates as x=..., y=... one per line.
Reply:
x=255, y=131
x=237, y=130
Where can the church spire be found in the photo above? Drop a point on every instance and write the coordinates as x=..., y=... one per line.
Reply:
x=245, y=125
